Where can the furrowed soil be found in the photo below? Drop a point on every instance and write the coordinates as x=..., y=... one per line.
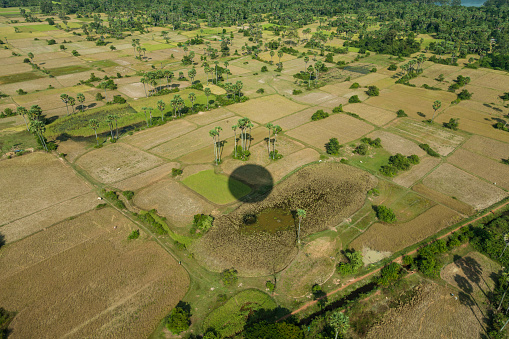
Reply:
x=328, y=192
x=120, y=289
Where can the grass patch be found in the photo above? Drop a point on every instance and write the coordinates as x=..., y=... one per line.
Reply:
x=230, y=318
x=215, y=187
x=68, y=70
x=36, y=28
x=371, y=162
x=19, y=77
x=175, y=236
x=103, y=63
x=19, y=140
x=156, y=47
x=78, y=124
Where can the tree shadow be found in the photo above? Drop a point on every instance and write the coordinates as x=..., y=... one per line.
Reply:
x=473, y=270
x=466, y=300
x=421, y=114
x=2, y=240
x=270, y=316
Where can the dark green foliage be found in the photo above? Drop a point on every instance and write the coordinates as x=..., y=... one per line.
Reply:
x=464, y=95
x=5, y=319
x=489, y=239
x=373, y=91
x=389, y=274
x=414, y=159
x=502, y=126
x=362, y=149
x=426, y=86
x=128, y=194
x=134, y=235
x=318, y=115
x=270, y=286
x=274, y=155
x=505, y=161
x=202, y=222
x=392, y=67
x=260, y=91
x=176, y=172
x=229, y=277
x=338, y=109
x=429, y=150
x=279, y=330
x=21, y=91
x=155, y=226
x=401, y=113
x=296, y=92
x=353, y=265
x=112, y=196
x=178, y=320
x=99, y=97
x=377, y=143
x=354, y=99
x=117, y=99
x=101, y=206
x=374, y=191
x=385, y=214
x=397, y=163
x=51, y=42
x=355, y=85
x=387, y=43
x=452, y=124
x=264, y=69
x=373, y=70
x=333, y=146
x=408, y=260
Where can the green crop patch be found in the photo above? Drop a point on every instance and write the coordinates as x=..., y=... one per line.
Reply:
x=36, y=28
x=215, y=187
x=103, y=63
x=19, y=77
x=68, y=70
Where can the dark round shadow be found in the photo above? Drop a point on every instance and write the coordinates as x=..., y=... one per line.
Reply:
x=256, y=177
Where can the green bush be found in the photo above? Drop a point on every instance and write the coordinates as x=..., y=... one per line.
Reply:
x=373, y=91
x=296, y=92
x=354, y=263
x=175, y=172
x=389, y=274
x=128, y=194
x=452, y=124
x=270, y=286
x=392, y=67
x=355, y=85
x=155, y=226
x=338, y=109
x=134, y=235
x=112, y=196
x=318, y=115
x=377, y=143
x=264, y=69
x=362, y=149
x=260, y=91
x=229, y=277
x=400, y=113
x=385, y=214
x=178, y=320
x=354, y=99
x=429, y=150
x=333, y=146
x=202, y=222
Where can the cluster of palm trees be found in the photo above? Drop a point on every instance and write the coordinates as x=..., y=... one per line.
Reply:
x=243, y=124
x=413, y=65
x=110, y=120
x=70, y=101
x=218, y=144
x=35, y=123
x=274, y=129
x=152, y=77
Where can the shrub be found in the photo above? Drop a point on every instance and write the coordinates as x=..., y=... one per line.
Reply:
x=99, y=97
x=21, y=92
x=260, y=90
x=355, y=85
x=134, y=235
x=389, y=273
x=392, y=67
x=176, y=171
x=128, y=194
x=338, y=109
x=354, y=99
x=373, y=91
x=377, y=143
x=264, y=69
x=401, y=113
x=229, y=277
x=202, y=222
x=354, y=263
x=155, y=226
x=318, y=115
x=429, y=150
x=414, y=159
x=113, y=198
x=362, y=149
x=178, y=320
x=385, y=214
x=452, y=124
x=464, y=95
x=373, y=70
x=296, y=92
x=333, y=146
x=270, y=286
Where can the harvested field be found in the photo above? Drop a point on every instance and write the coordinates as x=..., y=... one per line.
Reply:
x=494, y=149
x=314, y=98
x=454, y=182
x=491, y=170
x=313, y=265
x=375, y=115
x=446, y=200
x=226, y=245
x=341, y=126
x=41, y=220
x=157, y=135
x=172, y=200
x=217, y=188
x=208, y=117
x=34, y=182
x=395, y=237
x=493, y=80
x=49, y=279
x=369, y=79
x=146, y=178
x=72, y=149
x=472, y=274
x=395, y=144
x=431, y=313
x=416, y=172
x=117, y=162
x=289, y=163
x=409, y=206
x=439, y=139
x=484, y=95
x=299, y=118
x=265, y=109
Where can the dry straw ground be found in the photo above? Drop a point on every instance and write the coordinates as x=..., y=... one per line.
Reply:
x=494, y=149
x=120, y=289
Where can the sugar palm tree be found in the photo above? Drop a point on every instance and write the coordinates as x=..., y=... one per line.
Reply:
x=276, y=129
x=234, y=128
x=213, y=133
x=226, y=64
x=95, y=125
x=81, y=99
x=72, y=102
x=280, y=55
x=301, y=214
x=104, y=85
x=191, y=73
x=436, y=106
x=115, y=117
x=160, y=106
x=65, y=98
x=20, y=110
x=238, y=86
x=174, y=103
x=306, y=60
x=216, y=63
x=145, y=80
x=109, y=121
x=192, y=98
x=145, y=111
x=269, y=127
x=150, y=109
x=180, y=104
x=339, y=322
x=311, y=70
x=38, y=128
x=271, y=54
x=168, y=75
x=207, y=92
x=35, y=112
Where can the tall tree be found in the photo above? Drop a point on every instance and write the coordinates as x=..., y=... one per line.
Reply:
x=175, y=103
x=226, y=64
x=436, y=106
x=269, y=127
x=301, y=214
x=81, y=99
x=234, y=128
x=38, y=128
x=109, y=121
x=20, y=110
x=191, y=73
x=144, y=80
x=213, y=133
x=160, y=106
x=306, y=60
x=150, y=109
x=95, y=125
x=72, y=102
x=339, y=322
x=145, y=111
x=280, y=55
x=192, y=98
x=276, y=129
x=207, y=92
x=115, y=117
x=65, y=98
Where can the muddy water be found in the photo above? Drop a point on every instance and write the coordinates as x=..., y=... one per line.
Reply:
x=270, y=221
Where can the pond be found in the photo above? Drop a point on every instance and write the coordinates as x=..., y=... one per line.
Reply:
x=270, y=221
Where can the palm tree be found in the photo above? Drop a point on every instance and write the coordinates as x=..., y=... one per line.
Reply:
x=168, y=75
x=238, y=86
x=306, y=60
x=436, y=106
x=181, y=104
x=226, y=64
x=311, y=70
x=207, y=71
x=276, y=129
x=31, y=56
x=272, y=54
x=20, y=110
x=191, y=73
x=81, y=99
x=234, y=128
x=279, y=55
x=174, y=103
x=109, y=120
x=72, y=102
x=160, y=106
x=65, y=98
x=192, y=98
x=301, y=214
x=218, y=129
x=104, y=84
x=144, y=80
x=269, y=127
x=213, y=133
x=340, y=322
x=35, y=112
x=37, y=127
x=150, y=109
x=94, y=124
x=216, y=63
x=207, y=92
x=115, y=117
x=145, y=111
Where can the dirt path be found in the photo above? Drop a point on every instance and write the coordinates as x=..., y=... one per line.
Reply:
x=398, y=260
